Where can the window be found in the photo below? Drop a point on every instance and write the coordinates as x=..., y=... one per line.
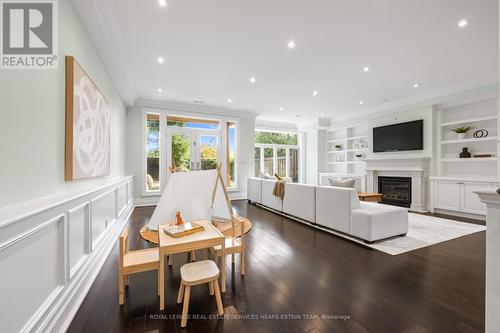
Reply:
x=281, y=163
x=280, y=154
x=257, y=161
x=294, y=164
x=153, y=153
x=181, y=143
x=269, y=161
x=231, y=154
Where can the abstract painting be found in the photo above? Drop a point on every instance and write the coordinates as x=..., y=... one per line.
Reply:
x=87, y=146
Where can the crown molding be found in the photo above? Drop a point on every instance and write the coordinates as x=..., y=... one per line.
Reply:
x=274, y=126
x=194, y=108
x=441, y=98
x=104, y=27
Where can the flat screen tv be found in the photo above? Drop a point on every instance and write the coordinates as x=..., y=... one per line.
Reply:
x=399, y=137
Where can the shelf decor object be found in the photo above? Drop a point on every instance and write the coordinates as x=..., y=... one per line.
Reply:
x=482, y=133
x=465, y=153
x=461, y=131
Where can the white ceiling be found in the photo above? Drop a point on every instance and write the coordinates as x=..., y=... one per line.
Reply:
x=212, y=48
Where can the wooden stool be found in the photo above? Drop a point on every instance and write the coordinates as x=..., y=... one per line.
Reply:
x=196, y=273
x=132, y=262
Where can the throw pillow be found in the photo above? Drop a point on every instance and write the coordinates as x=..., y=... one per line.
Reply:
x=349, y=182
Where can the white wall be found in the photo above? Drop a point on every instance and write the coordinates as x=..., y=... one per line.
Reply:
x=245, y=143
x=311, y=158
x=32, y=119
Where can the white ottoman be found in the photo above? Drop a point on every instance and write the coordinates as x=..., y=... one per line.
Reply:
x=375, y=221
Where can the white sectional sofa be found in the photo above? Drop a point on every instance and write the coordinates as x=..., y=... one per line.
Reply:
x=336, y=208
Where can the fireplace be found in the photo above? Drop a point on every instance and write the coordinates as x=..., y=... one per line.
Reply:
x=395, y=190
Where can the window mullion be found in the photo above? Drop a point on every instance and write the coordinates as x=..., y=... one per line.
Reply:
x=287, y=162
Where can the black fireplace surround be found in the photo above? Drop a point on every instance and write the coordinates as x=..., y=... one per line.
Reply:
x=395, y=190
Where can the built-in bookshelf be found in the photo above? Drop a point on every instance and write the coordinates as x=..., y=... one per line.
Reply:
x=346, y=150
x=480, y=115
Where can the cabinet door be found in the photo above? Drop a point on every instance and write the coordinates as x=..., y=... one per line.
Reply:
x=447, y=195
x=470, y=200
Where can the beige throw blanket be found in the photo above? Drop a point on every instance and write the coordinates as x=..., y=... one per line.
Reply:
x=279, y=187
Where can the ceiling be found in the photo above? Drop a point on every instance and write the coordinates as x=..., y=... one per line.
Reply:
x=213, y=48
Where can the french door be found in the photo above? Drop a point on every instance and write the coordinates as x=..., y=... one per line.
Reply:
x=191, y=149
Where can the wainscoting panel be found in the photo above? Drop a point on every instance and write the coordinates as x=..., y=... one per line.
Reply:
x=33, y=263
x=51, y=250
x=78, y=228
x=121, y=199
x=103, y=214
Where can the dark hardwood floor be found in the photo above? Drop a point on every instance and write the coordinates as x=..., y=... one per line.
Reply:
x=294, y=269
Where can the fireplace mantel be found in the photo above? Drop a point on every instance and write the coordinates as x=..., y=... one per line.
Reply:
x=415, y=167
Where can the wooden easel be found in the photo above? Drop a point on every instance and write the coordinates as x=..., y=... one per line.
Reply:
x=221, y=180
x=233, y=245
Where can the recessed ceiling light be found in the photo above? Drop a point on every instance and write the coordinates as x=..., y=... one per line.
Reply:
x=360, y=102
x=252, y=79
x=416, y=85
x=315, y=93
x=229, y=100
x=282, y=108
x=366, y=69
x=160, y=90
x=322, y=115
x=161, y=60
x=162, y=3
x=463, y=23
x=291, y=44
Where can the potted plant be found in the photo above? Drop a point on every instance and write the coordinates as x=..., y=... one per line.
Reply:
x=461, y=131
x=338, y=147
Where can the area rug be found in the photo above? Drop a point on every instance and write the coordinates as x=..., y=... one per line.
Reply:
x=423, y=230
x=152, y=235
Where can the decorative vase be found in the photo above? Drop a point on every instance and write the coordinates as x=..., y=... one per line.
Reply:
x=460, y=136
x=465, y=153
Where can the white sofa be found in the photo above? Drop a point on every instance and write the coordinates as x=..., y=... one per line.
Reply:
x=336, y=208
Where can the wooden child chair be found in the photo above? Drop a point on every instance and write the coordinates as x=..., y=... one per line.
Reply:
x=132, y=262
x=234, y=244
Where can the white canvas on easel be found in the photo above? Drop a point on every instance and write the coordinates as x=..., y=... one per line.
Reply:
x=196, y=195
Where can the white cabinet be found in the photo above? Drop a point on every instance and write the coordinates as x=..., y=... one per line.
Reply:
x=470, y=200
x=447, y=195
x=459, y=196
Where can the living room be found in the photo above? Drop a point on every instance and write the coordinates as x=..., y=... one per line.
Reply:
x=249, y=166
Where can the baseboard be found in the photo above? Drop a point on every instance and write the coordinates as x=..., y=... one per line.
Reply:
x=460, y=214
x=147, y=201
